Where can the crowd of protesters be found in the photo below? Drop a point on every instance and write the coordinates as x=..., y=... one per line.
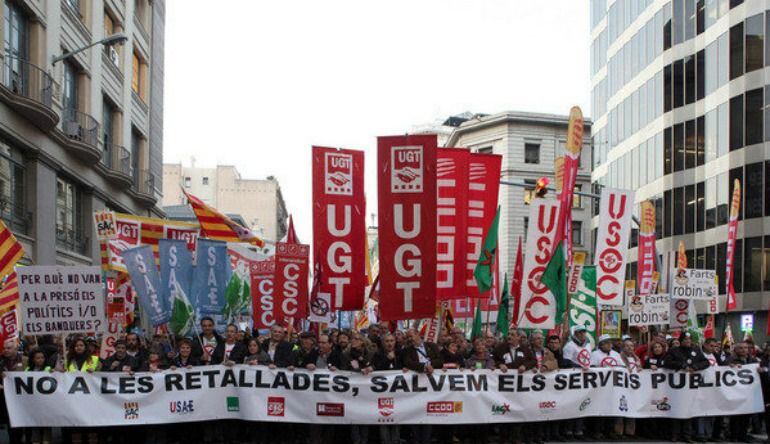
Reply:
x=378, y=349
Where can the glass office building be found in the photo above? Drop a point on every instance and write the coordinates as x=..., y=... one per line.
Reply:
x=680, y=95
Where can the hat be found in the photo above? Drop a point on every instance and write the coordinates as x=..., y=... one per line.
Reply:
x=578, y=328
x=625, y=337
x=604, y=338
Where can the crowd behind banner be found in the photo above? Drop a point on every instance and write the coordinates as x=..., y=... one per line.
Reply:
x=377, y=349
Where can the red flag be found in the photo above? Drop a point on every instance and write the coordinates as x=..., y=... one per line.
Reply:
x=291, y=235
x=518, y=275
x=451, y=209
x=646, y=250
x=262, y=290
x=732, y=233
x=339, y=226
x=483, y=187
x=708, y=330
x=291, y=285
x=407, y=226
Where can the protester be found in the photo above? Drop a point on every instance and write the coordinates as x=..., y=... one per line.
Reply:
x=278, y=349
x=255, y=355
x=120, y=361
x=421, y=357
x=480, y=359
x=544, y=358
x=207, y=341
x=739, y=424
x=230, y=350
x=184, y=357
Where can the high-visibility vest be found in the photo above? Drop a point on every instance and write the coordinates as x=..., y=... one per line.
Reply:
x=90, y=364
x=46, y=369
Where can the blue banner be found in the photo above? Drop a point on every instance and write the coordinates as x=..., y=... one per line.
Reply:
x=145, y=279
x=176, y=267
x=212, y=273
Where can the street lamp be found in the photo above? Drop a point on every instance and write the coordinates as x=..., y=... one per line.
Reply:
x=115, y=39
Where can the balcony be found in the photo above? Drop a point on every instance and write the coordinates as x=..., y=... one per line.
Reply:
x=29, y=90
x=71, y=240
x=81, y=133
x=144, y=187
x=116, y=160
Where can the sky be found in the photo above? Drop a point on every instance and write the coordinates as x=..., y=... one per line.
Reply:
x=256, y=83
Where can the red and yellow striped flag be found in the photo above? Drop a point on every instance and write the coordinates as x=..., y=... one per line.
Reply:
x=10, y=250
x=9, y=294
x=217, y=226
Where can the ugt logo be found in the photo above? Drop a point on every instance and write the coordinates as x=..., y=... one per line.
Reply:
x=406, y=169
x=338, y=174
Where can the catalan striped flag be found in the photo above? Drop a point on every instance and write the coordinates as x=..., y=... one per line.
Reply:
x=10, y=250
x=217, y=226
x=9, y=294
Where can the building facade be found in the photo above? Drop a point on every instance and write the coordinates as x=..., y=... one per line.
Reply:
x=529, y=143
x=679, y=102
x=82, y=133
x=259, y=202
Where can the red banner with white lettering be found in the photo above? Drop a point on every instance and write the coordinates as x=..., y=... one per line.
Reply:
x=646, y=249
x=407, y=226
x=483, y=187
x=615, y=211
x=451, y=213
x=262, y=293
x=339, y=230
x=9, y=325
x=292, y=262
x=732, y=233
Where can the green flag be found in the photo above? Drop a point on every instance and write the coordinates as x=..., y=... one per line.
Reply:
x=555, y=278
x=582, y=305
x=182, y=314
x=483, y=270
x=237, y=296
x=476, y=330
x=502, y=311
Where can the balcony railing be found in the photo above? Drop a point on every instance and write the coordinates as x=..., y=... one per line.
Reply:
x=15, y=216
x=80, y=127
x=145, y=183
x=117, y=159
x=71, y=240
x=26, y=79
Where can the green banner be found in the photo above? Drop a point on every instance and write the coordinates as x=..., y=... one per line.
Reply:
x=582, y=304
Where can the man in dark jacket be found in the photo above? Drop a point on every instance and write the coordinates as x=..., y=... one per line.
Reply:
x=325, y=356
x=387, y=358
x=136, y=349
x=511, y=354
x=206, y=342
x=306, y=347
x=420, y=356
x=231, y=350
x=120, y=361
x=689, y=358
x=278, y=349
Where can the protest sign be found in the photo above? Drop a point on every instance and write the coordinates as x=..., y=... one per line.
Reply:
x=106, y=228
x=41, y=399
x=650, y=309
x=320, y=308
x=689, y=283
x=56, y=299
x=610, y=323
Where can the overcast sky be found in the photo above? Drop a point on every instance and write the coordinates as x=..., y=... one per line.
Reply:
x=256, y=83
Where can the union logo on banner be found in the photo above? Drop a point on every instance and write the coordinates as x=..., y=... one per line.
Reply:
x=406, y=175
x=338, y=174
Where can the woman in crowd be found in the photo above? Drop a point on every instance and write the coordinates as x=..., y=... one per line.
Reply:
x=655, y=355
x=80, y=359
x=184, y=358
x=255, y=355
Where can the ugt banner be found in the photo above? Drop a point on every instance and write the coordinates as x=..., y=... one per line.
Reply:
x=483, y=186
x=257, y=393
x=262, y=293
x=537, y=308
x=145, y=279
x=407, y=226
x=291, y=286
x=339, y=229
x=646, y=249
x=615, y=211
x=451, y=214
x=175, y=268
x=210, y=278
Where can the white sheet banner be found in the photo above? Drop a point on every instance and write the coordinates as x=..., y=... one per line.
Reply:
x=538, y=306
x=615, y=211
x=256, y=393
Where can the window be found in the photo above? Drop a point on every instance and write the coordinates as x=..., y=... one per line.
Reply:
x=689, y=209
x=701, y=11
x=723, y=199
x=689, y=144
x=70, y=88
x=12, y=189
x=710, y=136
x=577, y=232
x=753, y=190
x=136, y=151
x=531, y=153
x=678, y=20
x=485, y=150
x=668, y=83
x=711, y=202
x=74, y=6
x=138, y=74
x=736, y=51
x=16, y=39
x=668, y=204
x=107, y=140
x=754, y=116
x=689, y=19
x=766, y=267
x=576, y=202
x=679, y=164
x=526, y=227
x=111, y=51
x=767, y=191
x=667, y=151
x=723, y=65
x=736, y=122
x=700, y=75
x=678, y=83
x=700, y=140
x=689, y=79
x=767, y=114
x=679, y=211
x=711, y=66
x=69, y=216
x=767, y=47
x=187, y=182
x=721, y=265
x=205, y=180
x=755, y=49
x=659, y=215
x=722, y=130
x=752, y=264
x=667, y=25
x=700, y=206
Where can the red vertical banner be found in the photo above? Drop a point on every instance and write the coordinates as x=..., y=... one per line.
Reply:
x=451, y=213
x=732, y=233
x=483, y=188
x=407, y=226
x=339, y=226
x=291, y=281
x=646, y=250
x=262, y=293
x=518, y=275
